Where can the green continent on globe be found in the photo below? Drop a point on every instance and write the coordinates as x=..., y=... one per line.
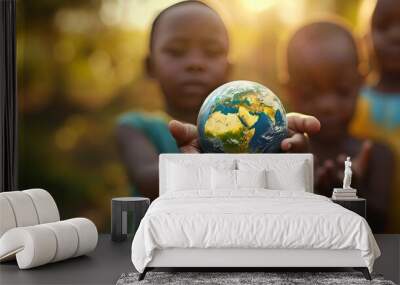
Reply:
x=240, y=117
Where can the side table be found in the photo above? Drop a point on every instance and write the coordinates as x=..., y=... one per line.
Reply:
x=120, y=207
x=357, y=205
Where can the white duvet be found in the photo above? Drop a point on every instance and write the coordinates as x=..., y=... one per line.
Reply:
x=250, y=219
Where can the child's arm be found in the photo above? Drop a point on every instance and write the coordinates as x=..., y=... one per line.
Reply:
x=330, y=173
x=140, y=159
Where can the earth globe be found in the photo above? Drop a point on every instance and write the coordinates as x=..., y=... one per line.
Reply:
x=242, y=117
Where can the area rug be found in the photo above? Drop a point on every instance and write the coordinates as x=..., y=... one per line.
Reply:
x=225, y=278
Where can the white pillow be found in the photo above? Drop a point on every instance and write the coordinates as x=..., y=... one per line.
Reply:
x=295, y=180
x=182, y=177
x=251, y=178
x=184, y=174
x=223, y=179
x=282, y=174
x=227, y=179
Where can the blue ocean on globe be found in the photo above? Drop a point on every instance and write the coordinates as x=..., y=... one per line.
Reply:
x=242, y=117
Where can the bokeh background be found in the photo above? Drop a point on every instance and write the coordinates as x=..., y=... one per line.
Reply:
x=80, y=66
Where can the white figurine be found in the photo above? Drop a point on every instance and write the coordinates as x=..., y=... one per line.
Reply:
x=347, y=174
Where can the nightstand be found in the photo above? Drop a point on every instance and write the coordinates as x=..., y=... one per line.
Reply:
x=126, y=210
x=357, y=205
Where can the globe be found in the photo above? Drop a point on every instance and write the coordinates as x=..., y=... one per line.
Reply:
x=241, y=117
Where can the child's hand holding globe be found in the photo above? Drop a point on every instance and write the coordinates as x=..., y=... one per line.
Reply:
x=242, y=117
x=298, y=127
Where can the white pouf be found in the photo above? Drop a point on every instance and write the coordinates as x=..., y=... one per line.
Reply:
x=31, y=230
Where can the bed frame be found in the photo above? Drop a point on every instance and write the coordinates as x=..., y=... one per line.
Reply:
x=247, y=259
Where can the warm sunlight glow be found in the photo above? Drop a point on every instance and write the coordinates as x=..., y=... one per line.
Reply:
x=258, y=5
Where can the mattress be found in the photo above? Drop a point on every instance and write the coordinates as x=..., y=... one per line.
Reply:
x=252, y=218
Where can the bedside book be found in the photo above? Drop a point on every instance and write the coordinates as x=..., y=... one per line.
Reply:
x=341, y=190
x=344, y=194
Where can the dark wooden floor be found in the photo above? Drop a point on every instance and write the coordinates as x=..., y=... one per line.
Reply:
x=110, y=260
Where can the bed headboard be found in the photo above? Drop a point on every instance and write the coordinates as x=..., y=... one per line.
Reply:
x=213, y=158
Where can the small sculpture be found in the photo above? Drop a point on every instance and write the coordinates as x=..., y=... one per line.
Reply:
x=347, y=192
x=347, y=174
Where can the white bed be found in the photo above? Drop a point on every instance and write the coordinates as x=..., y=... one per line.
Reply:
x=201, y=219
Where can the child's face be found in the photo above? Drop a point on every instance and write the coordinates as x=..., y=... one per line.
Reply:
x=325, y=82
x=189, y=56
x=385, y=27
